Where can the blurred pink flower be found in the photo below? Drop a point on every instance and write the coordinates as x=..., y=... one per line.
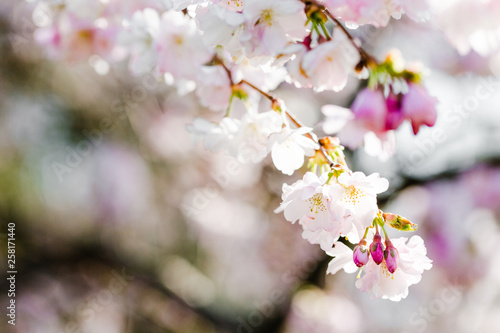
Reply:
x=370, y=110
x=377, y=12
x=74, y=39
x=419, y=107
x=359, y=12
x=374, y=118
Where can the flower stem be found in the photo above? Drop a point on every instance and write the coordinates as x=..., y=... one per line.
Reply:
x=228, y=111
x=263, y=93
x=385, y=233
x=366, y=232
x=325, y=31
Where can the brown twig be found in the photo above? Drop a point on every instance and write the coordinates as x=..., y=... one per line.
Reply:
x=263, y=93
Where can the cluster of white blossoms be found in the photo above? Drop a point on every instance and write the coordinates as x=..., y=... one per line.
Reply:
x=340, y=207
x=231, y=54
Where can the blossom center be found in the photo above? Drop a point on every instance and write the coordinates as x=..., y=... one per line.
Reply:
x=316, y=203
x=353, y=195
x=86, y=35
x=178, y=40
x=267, y=17
x=236, y=3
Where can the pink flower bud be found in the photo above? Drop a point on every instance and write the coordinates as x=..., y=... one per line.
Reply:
x=391, y=256
x=370, y=109
x=360, y=254
x=419, y=107
x=377, y=249
x=394, y=116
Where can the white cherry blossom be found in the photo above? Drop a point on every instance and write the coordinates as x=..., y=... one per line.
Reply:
x=289, y=147
x=308, y=201
x=222, y=27
x=297, y=74
x=215, y=137
x=181, y=50
x=357, y=195
x=328, y=65
x=140, y=39
x=255, y=131
x=342, y=259
x=233, y=5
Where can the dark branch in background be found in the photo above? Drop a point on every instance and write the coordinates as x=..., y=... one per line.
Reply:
x=40, y=261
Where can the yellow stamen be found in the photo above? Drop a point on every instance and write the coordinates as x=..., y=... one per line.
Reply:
x=316, y=203
x=353, y=195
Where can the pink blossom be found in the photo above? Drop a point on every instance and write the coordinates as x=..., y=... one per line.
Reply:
x=360, y=12
x=377, y=12
x=74, y=39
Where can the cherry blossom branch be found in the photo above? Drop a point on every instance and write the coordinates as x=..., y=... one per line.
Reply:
x=295, y=121
x=275, y=104
x=260, y=91
x=218, y=61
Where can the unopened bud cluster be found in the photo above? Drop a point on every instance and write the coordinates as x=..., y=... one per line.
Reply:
x=377, y=252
